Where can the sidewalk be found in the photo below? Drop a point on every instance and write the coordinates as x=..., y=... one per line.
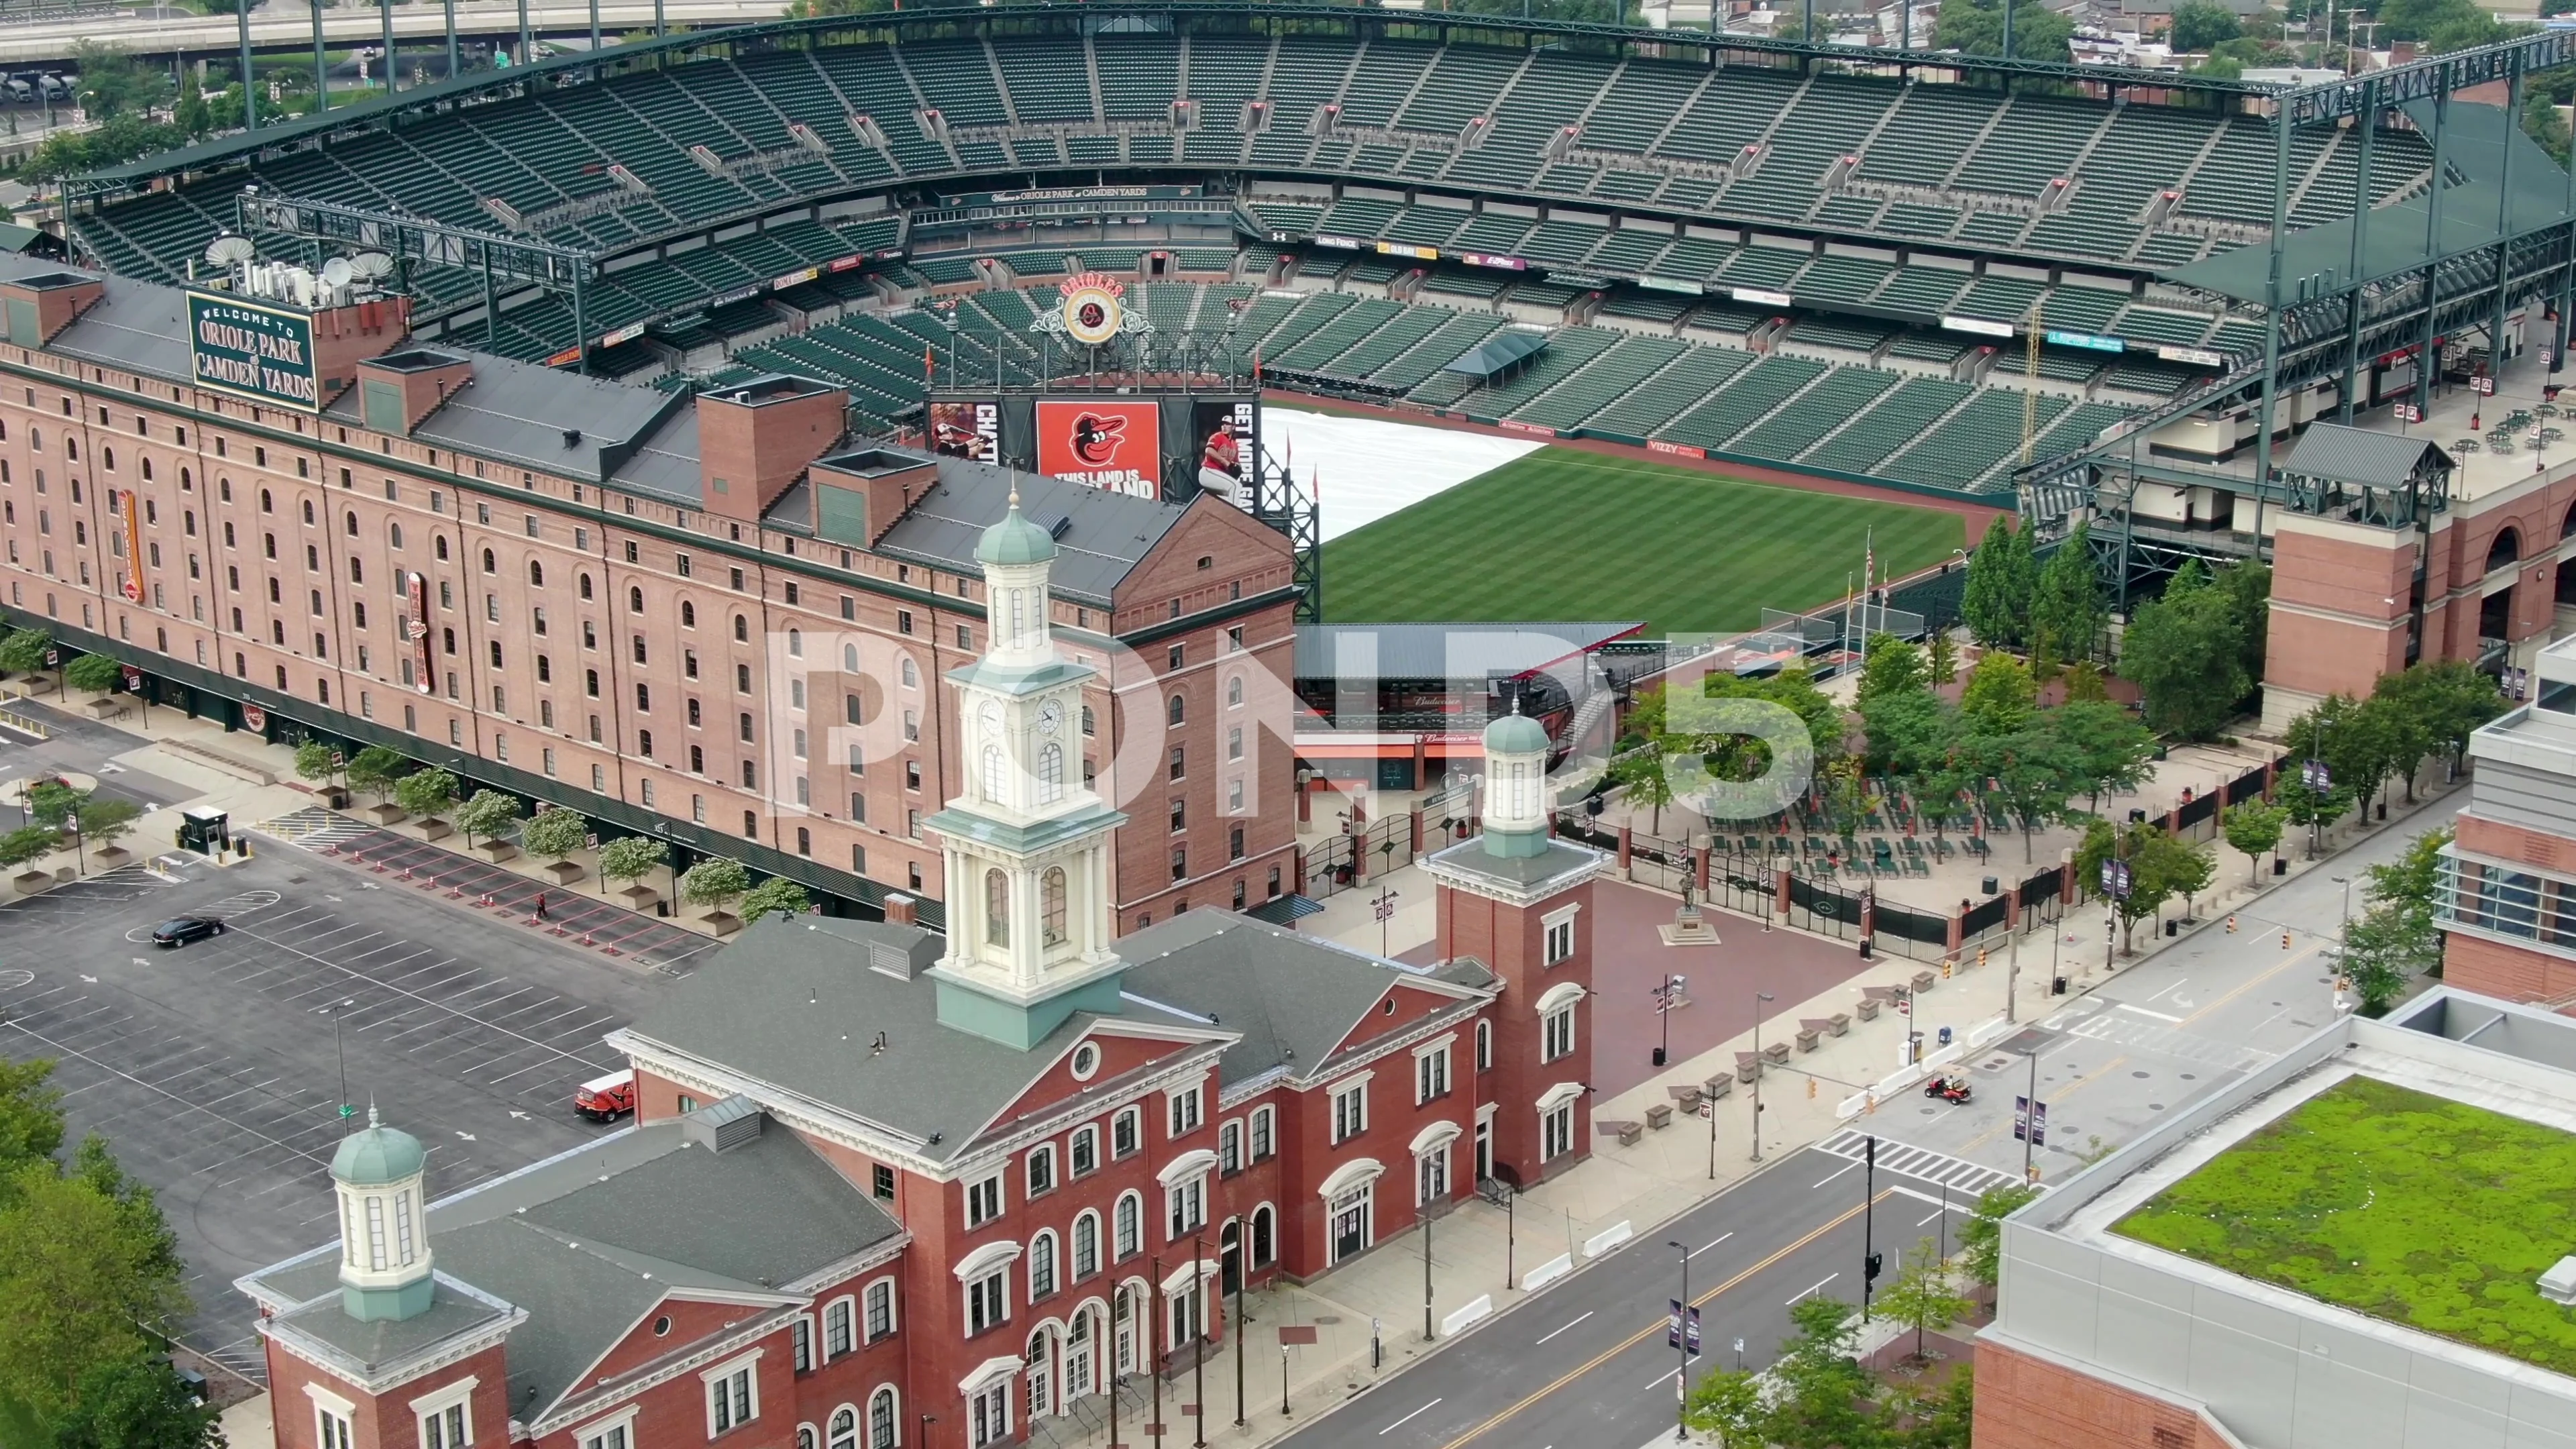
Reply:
x=1477, y=1251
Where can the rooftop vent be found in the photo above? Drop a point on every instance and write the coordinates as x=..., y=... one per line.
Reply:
x=2558, y=1285
x=723, y=1125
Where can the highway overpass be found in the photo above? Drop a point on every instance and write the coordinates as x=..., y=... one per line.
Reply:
x=288, y=28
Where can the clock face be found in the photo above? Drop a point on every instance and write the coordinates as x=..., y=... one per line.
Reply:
x=991, y=720
x=1050, y=718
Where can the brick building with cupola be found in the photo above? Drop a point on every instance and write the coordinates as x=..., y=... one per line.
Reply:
x=892, y=1187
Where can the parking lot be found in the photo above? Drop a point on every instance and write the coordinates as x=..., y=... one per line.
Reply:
x=215, y=1071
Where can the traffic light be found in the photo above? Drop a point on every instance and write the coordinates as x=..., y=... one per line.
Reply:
x=1811, y=1089
x=1870, y=1270
x=2231, y=923
x=1981, y=955
x=1946, y=964
x=2285, y=940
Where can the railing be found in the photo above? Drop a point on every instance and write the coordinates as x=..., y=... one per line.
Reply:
x=24, y=724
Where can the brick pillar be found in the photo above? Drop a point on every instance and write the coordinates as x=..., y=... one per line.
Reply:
x=1418, y=750
x=1306, y=804
x=2271, y=778
x=1297, y=869
x=1699, y=869
x=1359, y=857
x=1780, y=889
x=1958, y=929
x=1623, y=849
x=2173, y=821
x=1869, y=916
x=1417, y=832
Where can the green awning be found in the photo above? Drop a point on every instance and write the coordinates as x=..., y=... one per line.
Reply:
x=1488, y=358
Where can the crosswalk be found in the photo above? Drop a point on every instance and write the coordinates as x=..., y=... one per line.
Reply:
x=1968, y=1179
x=314, y=828
x=2142, y=1033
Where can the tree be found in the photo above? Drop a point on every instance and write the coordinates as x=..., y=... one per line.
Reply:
x=1922, y=1297
x=2066, y=613
x=1727, y=1406
x=1942, y=1418
x=23, y=652
x=426, y=793
x=31, y=1113
x=2198, y=26
x=2109, y=749
x=2396, y=938
x=31, y=842
x=86, y=1270
x=2084, y=684
x=714, y=883
x=112, y=85
x=137, y=1403
x=105, y=821
x=631, y=858
x=1642, y=774
x=554, y=834
x=2033, y=770
x=1981, y=1237
x=1908, y=734
x=1818, y=1389
x=1893, y=667
x=2158, y=868
x=1996, y=602
x=1943, y=657
x=2255, y=827
x=2248, y=587
x=2449, y=699
x=2186, y=653
x=2000, y=696
x=190, y=114
x=489, y=814
x=316, y=761
x=375, y=769
x=776, y=896
x=1976, y=27
x=51, y=803
x=94, y=673
x=2189, y=869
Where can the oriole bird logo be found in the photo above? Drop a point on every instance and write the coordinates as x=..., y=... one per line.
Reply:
x=1095, y=438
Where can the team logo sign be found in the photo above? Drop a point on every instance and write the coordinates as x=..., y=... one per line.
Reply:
x=1093, y=311
x=1108, y=444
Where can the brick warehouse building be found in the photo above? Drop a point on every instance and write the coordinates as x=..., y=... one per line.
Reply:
x=711, y=619
x=892, y=1187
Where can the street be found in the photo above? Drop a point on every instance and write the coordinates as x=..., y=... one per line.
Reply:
x=1586, y=1363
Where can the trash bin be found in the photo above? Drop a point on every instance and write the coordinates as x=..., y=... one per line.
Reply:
x=1945, y=1036
x=2057, y=987
x=2173, y=928
x=1989, y=885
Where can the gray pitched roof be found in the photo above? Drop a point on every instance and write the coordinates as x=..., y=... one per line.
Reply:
x=377, y=1345
x=587, y=1242
x=2358, y=455
x=796, y=1004
x=1292, y=998
x=1104, y=534
x=1523, y=871
x=516, y=414
x=1462, y=651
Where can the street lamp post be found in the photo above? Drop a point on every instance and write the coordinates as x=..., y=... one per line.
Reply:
x=1198, y=1338
x=1868, y=1226
x=1664, y=993
x=1681, y=1340
x=1240, y=1273
x=1759, y=997
x=333, y=1011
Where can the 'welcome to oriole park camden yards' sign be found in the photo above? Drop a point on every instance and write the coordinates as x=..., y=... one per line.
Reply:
x=252, y=351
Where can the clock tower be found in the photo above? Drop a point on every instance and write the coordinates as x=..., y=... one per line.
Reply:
x=1026, y=843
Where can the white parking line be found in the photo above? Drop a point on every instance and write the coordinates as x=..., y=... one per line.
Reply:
x=1409, y=1418
x=1713, y=1242
x=1819, y=1286
x=2140, y=1010
x=1553, y=1332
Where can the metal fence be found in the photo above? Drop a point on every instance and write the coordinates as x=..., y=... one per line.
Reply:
x=1328, y=866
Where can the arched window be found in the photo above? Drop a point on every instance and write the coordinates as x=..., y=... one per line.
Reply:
x=997, y=908
x=993, y=776
x=1484, y=1045
x=1050, y=774
x=442, y=548
x=741, y=629
x=266, y=503
x=883, y=1421
x=795, y=643
x=308, y=510
x=1086, y=1246
x=911, y=676
x=1234, y=692
x=107, y=460
x=1041, y=1265
x=351, y=522
x=688, y=615
x=491, y=565
x=1130, y=1235
x=2506, y=549
x=1176, y=710
x=584, y=581
x=1051, y=906
x=845, y=1430
x=536, y=574
x=2568, y=529
x=805, y=1436
x=393, y=534
x=849, y=659
x=1264, y=1237
x=634, y=599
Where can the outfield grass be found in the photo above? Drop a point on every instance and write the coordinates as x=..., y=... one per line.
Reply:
x=1568, y=534
x=2408, y=1207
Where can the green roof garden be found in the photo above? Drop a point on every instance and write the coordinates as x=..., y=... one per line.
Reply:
x=2415, y=1209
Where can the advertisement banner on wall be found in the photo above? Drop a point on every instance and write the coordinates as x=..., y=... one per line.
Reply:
x=967, y=430
x=415, y=629
x=133, y=546
x=1226, y=454
x=1113, y=444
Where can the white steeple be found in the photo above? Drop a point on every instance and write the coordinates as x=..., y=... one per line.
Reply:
x=1026, y=842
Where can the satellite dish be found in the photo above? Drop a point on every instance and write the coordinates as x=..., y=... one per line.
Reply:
x=370, y=265
x=225, y=251
x=337, y=272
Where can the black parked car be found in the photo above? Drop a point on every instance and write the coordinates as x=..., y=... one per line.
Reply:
x=183, y=929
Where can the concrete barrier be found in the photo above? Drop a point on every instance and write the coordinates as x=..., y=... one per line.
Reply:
x=1547, y=1272
x=1895, y=1083
x=1481, y=1309
x=1608, y=1238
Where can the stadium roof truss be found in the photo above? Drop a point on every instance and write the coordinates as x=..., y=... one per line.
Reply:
x=2497, y=227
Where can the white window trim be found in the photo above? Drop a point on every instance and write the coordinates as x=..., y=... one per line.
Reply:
x=1437, y=1044
x=1560, y=916
x=1180, y=1277
x=1055, y=1170
x=708, y=1379
x=1357, y=1173
x=983, y=1376
x=1197, y=1162
x=438, y=1401
x=1562, y=994
x=823, y=1331
x=1558, y=1095
x=985, y=1259
x=1437, y=1135
x=894, y=1310
x=1001, y=1197
x=324, y=1398
x=622, y=1419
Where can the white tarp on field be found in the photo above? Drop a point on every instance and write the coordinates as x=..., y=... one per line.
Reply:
x=1365, y=468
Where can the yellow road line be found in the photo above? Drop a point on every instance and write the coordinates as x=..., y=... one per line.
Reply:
x=1659, y=1325
x=2099, y=1073
x=2293, y=959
